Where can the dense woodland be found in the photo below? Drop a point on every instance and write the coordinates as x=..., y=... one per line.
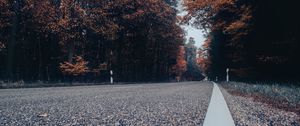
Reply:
x=257, y=39
x=141, y=40
x=55, y=40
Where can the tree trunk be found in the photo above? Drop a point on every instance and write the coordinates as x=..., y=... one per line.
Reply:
x=71, y=49
x=40, y=60
x=11, y=44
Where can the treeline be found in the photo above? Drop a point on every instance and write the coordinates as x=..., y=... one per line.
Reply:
x=55, y=40
x=257, y=39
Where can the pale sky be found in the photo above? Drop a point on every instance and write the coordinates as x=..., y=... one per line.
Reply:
x=191, y=31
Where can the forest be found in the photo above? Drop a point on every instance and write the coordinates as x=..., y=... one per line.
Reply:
x=59, y=40
x=142, y=40
x=258, y=40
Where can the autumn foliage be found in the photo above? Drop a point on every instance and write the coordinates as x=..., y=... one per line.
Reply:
x=255, y=39
x=137, y=39
x=224, y=15
x=140, y=40
x=5, y=13
x=181, y=65
x=78, y=67
x=203, y=59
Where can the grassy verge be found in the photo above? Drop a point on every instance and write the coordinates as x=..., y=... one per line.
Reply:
x=279, y=95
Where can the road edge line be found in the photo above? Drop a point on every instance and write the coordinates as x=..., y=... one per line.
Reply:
x=218, y=105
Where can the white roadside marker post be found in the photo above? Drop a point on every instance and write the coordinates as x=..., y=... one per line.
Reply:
x=111, y=71
x=111, y=77
x=227, y=74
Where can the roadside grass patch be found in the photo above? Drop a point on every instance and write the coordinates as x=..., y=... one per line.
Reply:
x=281, y=95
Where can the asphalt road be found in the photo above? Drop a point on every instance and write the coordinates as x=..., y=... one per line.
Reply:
x=138, y=104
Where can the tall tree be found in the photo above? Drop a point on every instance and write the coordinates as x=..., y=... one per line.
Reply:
x=77, y=68
x=242, y=37
x=181, y=66
x=203, y=58
x=66, y=20
x=5, y=16
x=138, y=39
x=193, y=70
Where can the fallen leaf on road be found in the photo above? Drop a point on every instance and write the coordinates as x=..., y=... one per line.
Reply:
x=43, y=115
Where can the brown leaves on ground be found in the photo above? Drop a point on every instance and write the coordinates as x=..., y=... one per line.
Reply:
x=43, y=115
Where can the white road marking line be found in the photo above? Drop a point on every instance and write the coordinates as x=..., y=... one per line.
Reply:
x=218, y=113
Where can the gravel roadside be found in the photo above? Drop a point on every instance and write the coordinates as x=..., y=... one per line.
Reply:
x=138, y=104
x=246, y=112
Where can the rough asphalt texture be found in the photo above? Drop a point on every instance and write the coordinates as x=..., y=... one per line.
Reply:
x=247, y=112
x=138, y=104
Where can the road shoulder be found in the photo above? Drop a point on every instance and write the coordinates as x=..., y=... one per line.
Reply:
x=247, y=111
